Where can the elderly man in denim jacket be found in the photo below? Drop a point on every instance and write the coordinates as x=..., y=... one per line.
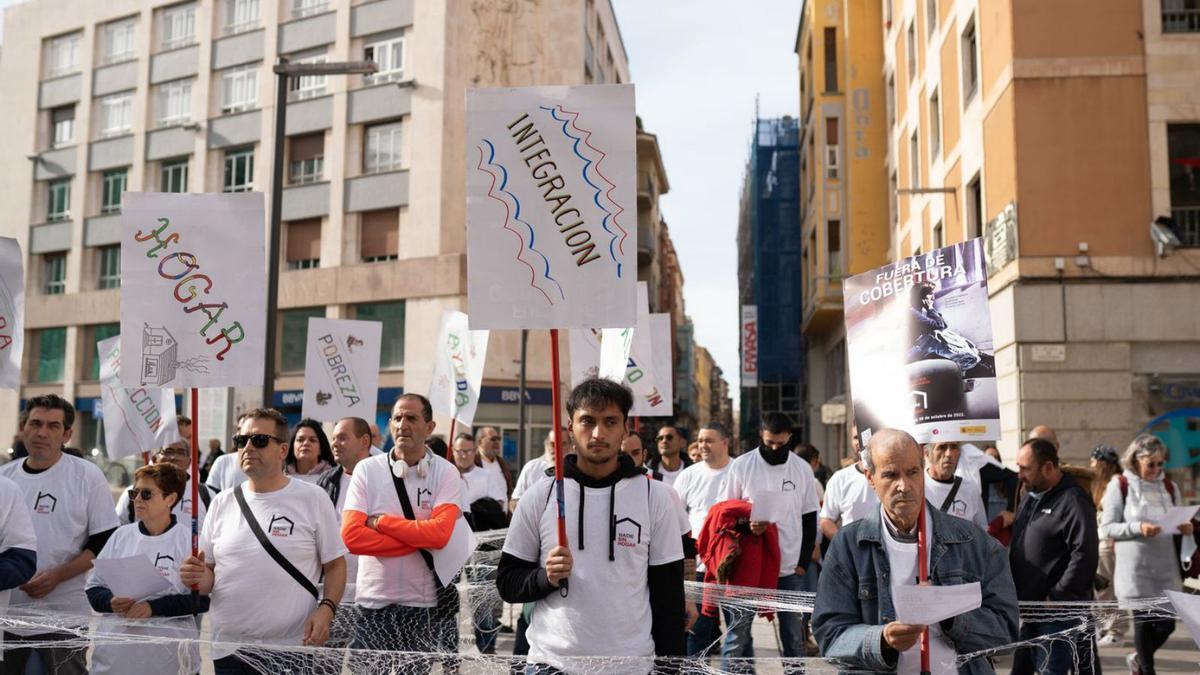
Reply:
x=854, y=620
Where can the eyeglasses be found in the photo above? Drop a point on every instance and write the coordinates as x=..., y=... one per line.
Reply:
x=144, y=493
x=665, y=437
x=259, y=441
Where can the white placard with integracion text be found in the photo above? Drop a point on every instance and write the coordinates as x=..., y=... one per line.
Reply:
x=341, y=369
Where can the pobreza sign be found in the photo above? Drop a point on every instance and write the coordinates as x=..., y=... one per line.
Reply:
x=12, y=313
x=551, y=216
x=135, y=420
x=341, y=369
x=193, y=290
x=458, y=370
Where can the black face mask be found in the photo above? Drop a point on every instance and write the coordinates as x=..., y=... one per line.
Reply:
x=774, y=457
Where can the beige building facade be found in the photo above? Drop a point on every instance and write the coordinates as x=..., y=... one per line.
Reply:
x=141, y=95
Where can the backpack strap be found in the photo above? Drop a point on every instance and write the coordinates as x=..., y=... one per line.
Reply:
x=949, y=501
x=1124, y=483
x=406, y=506
x=278, y=557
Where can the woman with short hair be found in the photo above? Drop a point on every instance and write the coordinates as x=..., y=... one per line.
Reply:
x=1146, y=563
x=166, y=544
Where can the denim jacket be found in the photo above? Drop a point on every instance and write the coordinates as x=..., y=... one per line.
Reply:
x=854, y=596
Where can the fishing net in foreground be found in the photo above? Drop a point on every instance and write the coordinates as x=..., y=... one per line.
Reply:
x=451, y=641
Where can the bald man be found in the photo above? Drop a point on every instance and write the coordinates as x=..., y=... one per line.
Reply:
x=1044, y=432
x=844, y=598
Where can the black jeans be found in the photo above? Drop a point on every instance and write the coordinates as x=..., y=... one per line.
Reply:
x=57, y=660
x=1148, y=636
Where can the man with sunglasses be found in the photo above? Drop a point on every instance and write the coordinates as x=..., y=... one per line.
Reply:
x=670, y=460
x=237, y=570
x=71, y=509
x=177, y=455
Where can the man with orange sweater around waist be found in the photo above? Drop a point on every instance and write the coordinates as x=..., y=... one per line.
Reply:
x=401, y=506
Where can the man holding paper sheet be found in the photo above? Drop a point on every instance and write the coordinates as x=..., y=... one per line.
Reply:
x=872, y=563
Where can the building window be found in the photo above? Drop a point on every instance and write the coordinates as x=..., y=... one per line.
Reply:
x=119, y=40
x=891, y=103
x=303, y=249
x=831, y=64
x=939, y=235
x=98, y=333
x=116, y=114
x=1183, y=151
x=174, y=176
x=54, y=273
x=293, y=334
x=833, y=151
x=307, y=86
x=307, y=158
x=887, y=15
x=970, y=62
x=935, y=125
x=391, y=315
x=379, y=235
x=894, y=198
x=974, y=208
x=388, y=55
x=174, y=102
x=833, y=242
x=239, y=170
x=58, y=204
x=931, y=17
x=914, y=161
x=1181, y=16
x=178, y=26
x=62, y=55
x=910, y=46
x=381, y=148
x=50, y=355
x=62, y=126
x=303, y=8
x=239, y=89
x=112, y=184
x=109, y=266
x=240, y=15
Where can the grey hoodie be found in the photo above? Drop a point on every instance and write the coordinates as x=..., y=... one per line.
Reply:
x=1146, y=566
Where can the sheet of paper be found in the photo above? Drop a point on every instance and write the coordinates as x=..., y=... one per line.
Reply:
x=1188, y=609
x=448, y=560
x=769, y=506
x=925, y=605
x=1176, y=516
x=133, y=577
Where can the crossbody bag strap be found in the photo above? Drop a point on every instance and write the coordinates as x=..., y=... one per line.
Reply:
x=283, y=562
x=953, y=493
x=406, y=506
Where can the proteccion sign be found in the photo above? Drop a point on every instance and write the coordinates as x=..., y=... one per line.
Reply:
x=135, y=420
x=193, y=290
x=551, y=211
x=341, y=369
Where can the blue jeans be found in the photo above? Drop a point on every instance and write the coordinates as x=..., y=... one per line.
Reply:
x=705, y=632
x=1057, y=656
x=738, y=642
x=399, y=628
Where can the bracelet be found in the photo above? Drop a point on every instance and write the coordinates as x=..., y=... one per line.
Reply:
x=333, y=609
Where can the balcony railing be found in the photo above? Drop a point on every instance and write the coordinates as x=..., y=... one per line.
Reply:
x=1182, y=20
x=1187, y=225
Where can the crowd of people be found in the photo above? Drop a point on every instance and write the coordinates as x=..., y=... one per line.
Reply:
x=321, y=523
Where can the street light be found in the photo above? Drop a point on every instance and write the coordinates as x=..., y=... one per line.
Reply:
x=283, y=70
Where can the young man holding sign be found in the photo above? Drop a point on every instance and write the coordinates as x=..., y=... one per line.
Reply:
x=624, y=559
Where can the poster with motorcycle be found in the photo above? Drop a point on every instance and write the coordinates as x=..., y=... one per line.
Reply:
x=919, y=343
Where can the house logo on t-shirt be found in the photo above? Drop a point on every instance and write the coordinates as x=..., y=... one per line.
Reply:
x=164, y=562
x=628, y=532
x=282, y=526
x=45, y=503
x=424, y=498
x=788, y=485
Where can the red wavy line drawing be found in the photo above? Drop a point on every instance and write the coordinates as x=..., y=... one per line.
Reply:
x=608, y=193
x=507, y=218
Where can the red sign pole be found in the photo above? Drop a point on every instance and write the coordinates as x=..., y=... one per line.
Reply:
x=195, y=481
x=923, y=577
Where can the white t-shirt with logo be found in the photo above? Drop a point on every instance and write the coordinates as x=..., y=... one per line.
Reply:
x=182, y=509
x=848, y=496
x=532, y=473
x=400, y=580
x=226, y=472
x=669, y=477
x=167, y=551
x=351, y=559
x=902, y=558
x=67, y=503
x=699, y=486
x=607, y=610
x=750, y=474
x=968, y=501
x=302, y=524
x=482, y=485
x=16, y=529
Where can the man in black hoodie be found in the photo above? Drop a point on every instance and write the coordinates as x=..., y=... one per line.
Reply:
x=1054, y=554
x=624, y=557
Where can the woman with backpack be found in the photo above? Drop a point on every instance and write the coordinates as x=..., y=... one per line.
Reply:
x=1146, y=563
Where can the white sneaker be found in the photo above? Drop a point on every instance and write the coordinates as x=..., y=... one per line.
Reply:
x=1135, y=666
x=1110, y=640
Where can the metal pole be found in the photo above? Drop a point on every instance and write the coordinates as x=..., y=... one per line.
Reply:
x=521, y=401
x=268, y=386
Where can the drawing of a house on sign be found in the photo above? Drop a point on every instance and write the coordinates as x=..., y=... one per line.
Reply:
x=159, y=356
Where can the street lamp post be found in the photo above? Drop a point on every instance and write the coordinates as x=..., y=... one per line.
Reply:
x=283, y=70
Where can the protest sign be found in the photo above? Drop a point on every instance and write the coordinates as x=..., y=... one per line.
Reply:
x=193, y=290
x=919, y=343
x=551, y=216
x=458, y=370
x=341, y=369
x=12, y=313
x=135, y=420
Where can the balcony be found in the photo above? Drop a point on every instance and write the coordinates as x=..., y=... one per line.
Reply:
x=646, y=243
x=1184, y=17
x=822, y=305
x=1187, y=225
x=646, y=189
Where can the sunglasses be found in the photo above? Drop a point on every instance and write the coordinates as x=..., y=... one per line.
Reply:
x=259, y=441
x=665, y=437
x=144, y=493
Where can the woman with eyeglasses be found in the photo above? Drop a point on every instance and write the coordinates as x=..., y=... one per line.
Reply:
x=1146, y=561
x=309, y=453
x=166, y=543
